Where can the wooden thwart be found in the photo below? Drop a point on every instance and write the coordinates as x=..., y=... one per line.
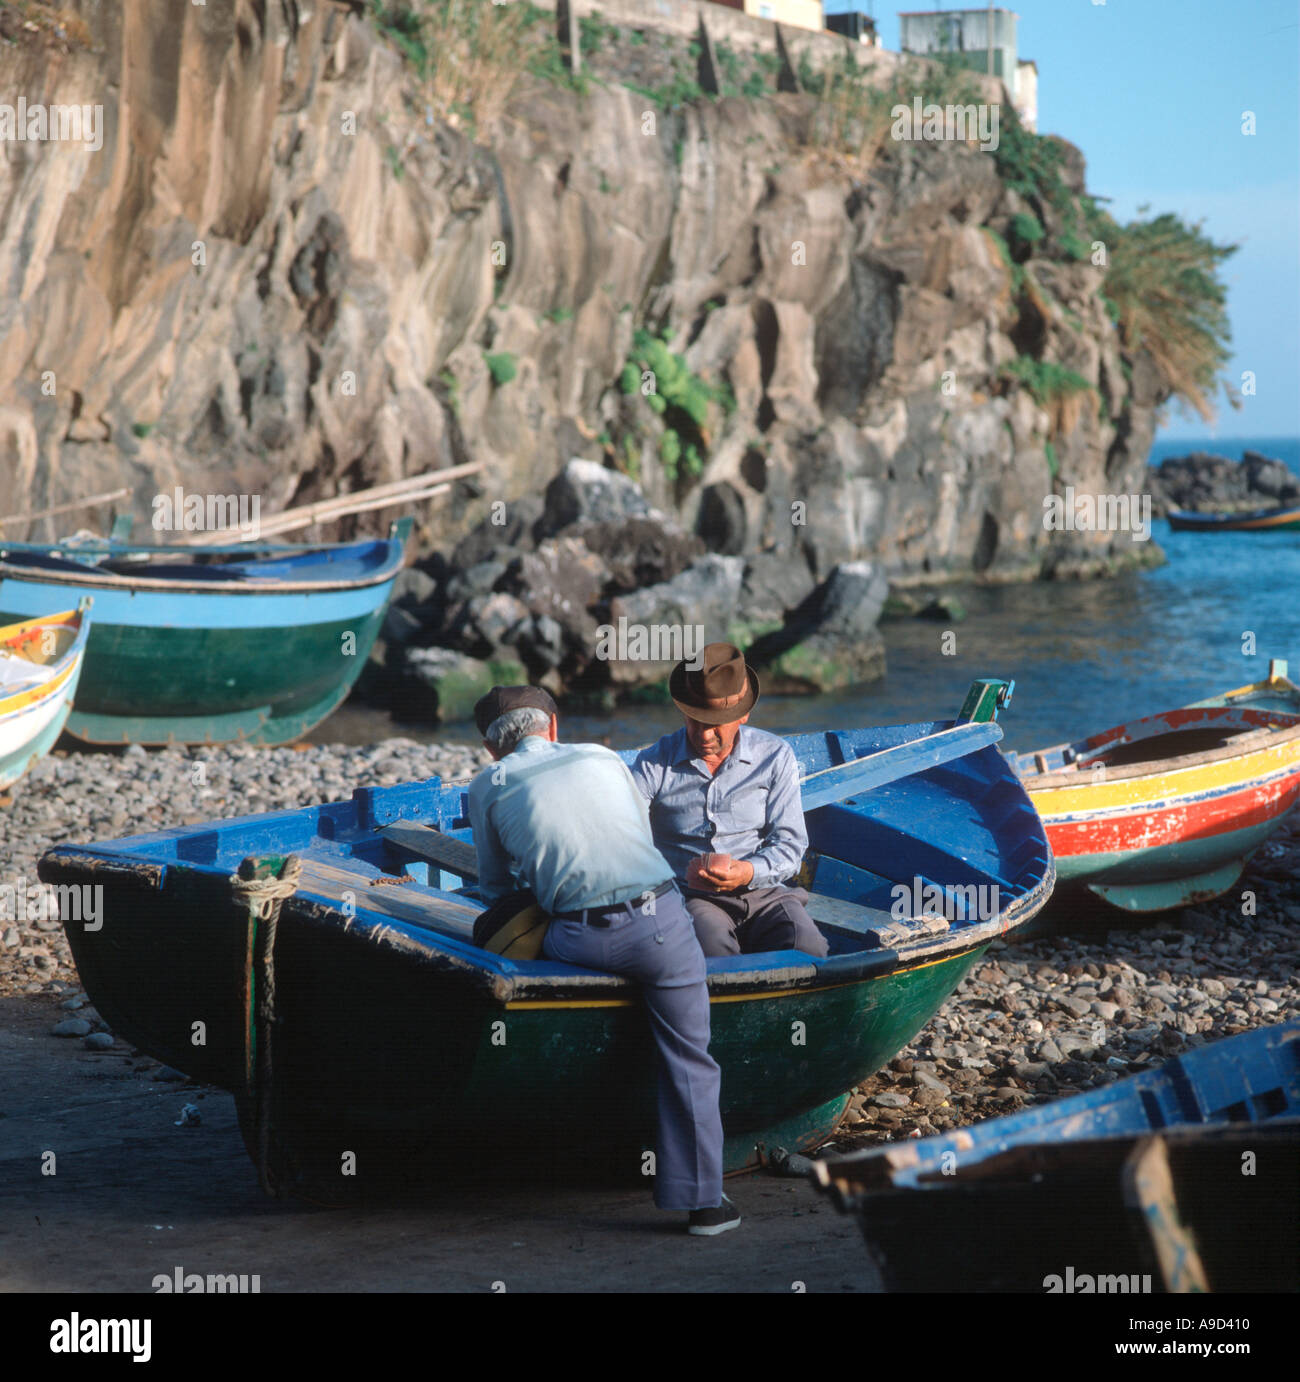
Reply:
x=456, y=856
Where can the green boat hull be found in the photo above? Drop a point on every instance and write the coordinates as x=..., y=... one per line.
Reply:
x=184, y=686
x=1167, y=876
x=412, y=1057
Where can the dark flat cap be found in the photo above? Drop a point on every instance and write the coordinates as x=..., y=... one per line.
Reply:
x=503, y=698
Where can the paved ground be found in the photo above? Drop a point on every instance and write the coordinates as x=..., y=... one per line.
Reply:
x=133, y=1196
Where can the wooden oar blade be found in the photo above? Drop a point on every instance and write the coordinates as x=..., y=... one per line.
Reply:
x=861, y=775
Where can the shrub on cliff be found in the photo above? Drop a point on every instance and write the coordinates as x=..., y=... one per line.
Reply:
x=469, y=55
x=1169, y=301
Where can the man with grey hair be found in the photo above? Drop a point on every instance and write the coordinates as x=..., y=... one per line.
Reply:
x=567, y=822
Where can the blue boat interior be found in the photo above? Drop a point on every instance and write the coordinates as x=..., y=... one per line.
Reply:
x=964, y=826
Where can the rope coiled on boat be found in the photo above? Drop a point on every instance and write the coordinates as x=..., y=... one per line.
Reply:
x=264, y=897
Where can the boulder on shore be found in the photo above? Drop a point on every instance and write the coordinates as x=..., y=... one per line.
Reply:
x=832, y=640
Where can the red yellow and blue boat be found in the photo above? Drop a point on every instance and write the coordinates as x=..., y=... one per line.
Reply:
x=1165, y=811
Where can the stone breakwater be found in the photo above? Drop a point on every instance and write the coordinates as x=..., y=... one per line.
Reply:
x=1036, y=1020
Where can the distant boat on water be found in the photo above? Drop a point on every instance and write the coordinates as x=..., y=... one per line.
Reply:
x=195, y=645
x=1284, y=519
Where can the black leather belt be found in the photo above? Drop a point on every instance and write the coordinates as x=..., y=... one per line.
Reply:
x=599, y=916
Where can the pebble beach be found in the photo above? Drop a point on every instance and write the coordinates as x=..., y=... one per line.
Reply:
x=1093, y=997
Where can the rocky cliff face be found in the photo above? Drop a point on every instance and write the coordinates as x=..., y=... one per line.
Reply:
x=284, y=275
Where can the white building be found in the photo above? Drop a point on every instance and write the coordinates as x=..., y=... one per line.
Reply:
x=971, y=34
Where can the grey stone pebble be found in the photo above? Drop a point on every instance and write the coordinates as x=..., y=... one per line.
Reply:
x=166, y=1073
x=99, y=1041
x=889, y=1100
x=71, y=1027
x=924, y=1080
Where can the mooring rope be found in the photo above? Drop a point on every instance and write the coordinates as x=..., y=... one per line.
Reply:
x=264, y=897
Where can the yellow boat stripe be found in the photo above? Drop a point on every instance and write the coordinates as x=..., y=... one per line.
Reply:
x=37, y=693
x=10, y=631
x=1135, y=792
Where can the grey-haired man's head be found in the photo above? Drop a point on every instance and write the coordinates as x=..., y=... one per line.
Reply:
x=505, y=732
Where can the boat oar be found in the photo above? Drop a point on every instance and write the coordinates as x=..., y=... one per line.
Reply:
x=875, y=769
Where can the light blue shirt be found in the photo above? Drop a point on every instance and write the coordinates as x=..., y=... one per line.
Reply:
x=751, y=808
x=567, y=821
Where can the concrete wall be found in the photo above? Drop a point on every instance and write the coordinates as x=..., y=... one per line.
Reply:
x=747, y=33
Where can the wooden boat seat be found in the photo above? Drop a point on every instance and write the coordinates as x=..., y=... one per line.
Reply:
x=870, y=926
x=395, y=897
x=433, y=847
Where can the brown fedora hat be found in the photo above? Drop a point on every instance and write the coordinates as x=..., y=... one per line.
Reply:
x=721, y=690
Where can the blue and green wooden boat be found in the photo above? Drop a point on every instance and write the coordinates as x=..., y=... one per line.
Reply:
x=194, y=645
x=390, y=1027
x=1183, y=1175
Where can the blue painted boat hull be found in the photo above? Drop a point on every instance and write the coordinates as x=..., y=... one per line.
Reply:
x=395, y=1026
x=1138, y=1185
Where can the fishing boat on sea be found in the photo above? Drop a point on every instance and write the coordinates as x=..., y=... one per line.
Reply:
x=40, y=666
x=194, y=645
x=1140, y=1180
x=1275, y=520
x=329, y=953
x=1165, y=811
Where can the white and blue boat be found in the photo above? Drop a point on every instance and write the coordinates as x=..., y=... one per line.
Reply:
x=40, y=665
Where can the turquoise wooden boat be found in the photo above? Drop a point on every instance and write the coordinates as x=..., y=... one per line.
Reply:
x=203, y=645
x=390, y=1027
x=1183, y=1177
x=40, y=666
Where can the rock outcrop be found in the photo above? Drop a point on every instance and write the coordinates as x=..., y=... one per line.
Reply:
x=1201, y=481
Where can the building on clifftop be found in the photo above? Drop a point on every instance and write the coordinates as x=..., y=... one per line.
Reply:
x=799, y=14
x=966, y=34
x=855, y=26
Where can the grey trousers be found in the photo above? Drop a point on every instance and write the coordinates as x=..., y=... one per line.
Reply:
x=661, y=952
x=763, y=919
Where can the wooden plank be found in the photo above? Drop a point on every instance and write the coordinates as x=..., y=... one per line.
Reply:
x=1149, y=1189
x=456, y=856
x=875, y=769
x=85, y=503
x=393, y=897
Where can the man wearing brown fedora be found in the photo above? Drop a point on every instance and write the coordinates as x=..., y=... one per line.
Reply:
x=726, y=812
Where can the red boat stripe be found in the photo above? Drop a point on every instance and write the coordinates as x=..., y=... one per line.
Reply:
x=1253, y=805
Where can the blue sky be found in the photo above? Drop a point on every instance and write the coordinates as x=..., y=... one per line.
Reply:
x=1153, y=92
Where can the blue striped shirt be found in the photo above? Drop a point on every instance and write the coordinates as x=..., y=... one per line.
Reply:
x=751, y=808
